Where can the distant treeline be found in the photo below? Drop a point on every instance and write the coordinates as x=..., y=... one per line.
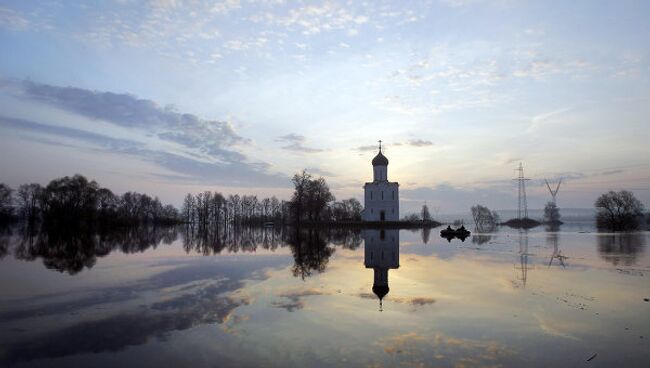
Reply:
x=77, y=200
x=312, y=201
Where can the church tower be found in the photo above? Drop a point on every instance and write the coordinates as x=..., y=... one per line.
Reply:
x=381, y=197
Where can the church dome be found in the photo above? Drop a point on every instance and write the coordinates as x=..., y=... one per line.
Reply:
x=380, y=160
x=380, y=291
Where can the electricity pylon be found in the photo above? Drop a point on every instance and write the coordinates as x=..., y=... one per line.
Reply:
x=522, y=208
x=553, y=192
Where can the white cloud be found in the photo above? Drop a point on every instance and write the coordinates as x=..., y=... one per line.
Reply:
x=12, y=20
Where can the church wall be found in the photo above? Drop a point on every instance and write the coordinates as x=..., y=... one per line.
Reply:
x=381, y=196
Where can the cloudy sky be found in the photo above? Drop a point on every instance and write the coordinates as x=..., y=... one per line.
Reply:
x=170, y=96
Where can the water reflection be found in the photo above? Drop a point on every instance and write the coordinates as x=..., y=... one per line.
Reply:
x=232, y=308
x=481, y=239
x=522, y=267
x=381, y=253
x=71, y=250
x=552, y=239
x=621, y=249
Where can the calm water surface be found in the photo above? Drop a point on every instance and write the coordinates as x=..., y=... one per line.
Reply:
x=271, y=298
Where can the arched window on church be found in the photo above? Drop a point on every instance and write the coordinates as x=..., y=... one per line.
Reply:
x=382, y=195
x=393, y=195
x=371, y=195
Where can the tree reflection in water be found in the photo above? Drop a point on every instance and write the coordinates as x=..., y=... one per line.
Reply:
x=621, y=248
x=72, y=250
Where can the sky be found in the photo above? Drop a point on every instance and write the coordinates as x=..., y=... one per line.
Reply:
x=168, y=97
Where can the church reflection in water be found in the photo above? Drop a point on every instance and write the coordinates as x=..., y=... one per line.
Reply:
x=381, y=253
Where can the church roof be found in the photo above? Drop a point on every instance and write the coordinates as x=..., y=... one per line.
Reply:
x=380, y=160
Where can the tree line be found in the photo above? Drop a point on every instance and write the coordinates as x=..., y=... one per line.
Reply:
x=77, y=200
x=312, y=201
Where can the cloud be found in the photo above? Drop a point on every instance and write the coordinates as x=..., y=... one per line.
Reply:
x=202, y=150
x=12, y=20
x=317, y=171
x=296, y=143
x=370, y=147
x=420, y=143
x=313, y=19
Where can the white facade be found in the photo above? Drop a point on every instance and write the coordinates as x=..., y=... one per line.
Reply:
x=381, y=197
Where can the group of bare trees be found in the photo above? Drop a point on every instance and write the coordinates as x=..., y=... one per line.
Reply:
x=6, y=205
x=311, y=201
x=76, y=199
x=212, y=209
x=484, y=219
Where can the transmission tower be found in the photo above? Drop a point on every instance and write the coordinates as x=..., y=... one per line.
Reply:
x=553, y=192
x=522, y=208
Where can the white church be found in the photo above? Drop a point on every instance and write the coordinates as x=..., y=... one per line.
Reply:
x=381, y=197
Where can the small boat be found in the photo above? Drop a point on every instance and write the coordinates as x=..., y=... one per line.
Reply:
x=460, y=233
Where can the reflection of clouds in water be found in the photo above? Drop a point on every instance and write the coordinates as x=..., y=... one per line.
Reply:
x=413, y=349
x=552, y=329
x=414, y=301
x=118, y=332
x=204, y=293
x=295, y=298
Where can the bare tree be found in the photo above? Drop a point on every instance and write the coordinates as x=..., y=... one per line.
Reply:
x=484, y=219
x=618, y=211
x=28, y=200
x=425, y=215
x=552, y=214
x=6, y=201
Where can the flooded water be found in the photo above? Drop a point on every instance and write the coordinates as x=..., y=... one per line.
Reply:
x=152, y=298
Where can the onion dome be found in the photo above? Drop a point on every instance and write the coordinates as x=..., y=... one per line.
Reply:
x=380, y=291
x=380, y=160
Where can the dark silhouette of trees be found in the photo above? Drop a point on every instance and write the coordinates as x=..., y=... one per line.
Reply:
x=28, y=201
x=424, y=213
x=346, y=210
x=618, y=211
x=313, y=202
x=310, y=198
x=76, y=200
x=552, y=214
x=411, y=217
x=6, y=202
x=484, y=219
x=210, y=209
x=69, y=198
